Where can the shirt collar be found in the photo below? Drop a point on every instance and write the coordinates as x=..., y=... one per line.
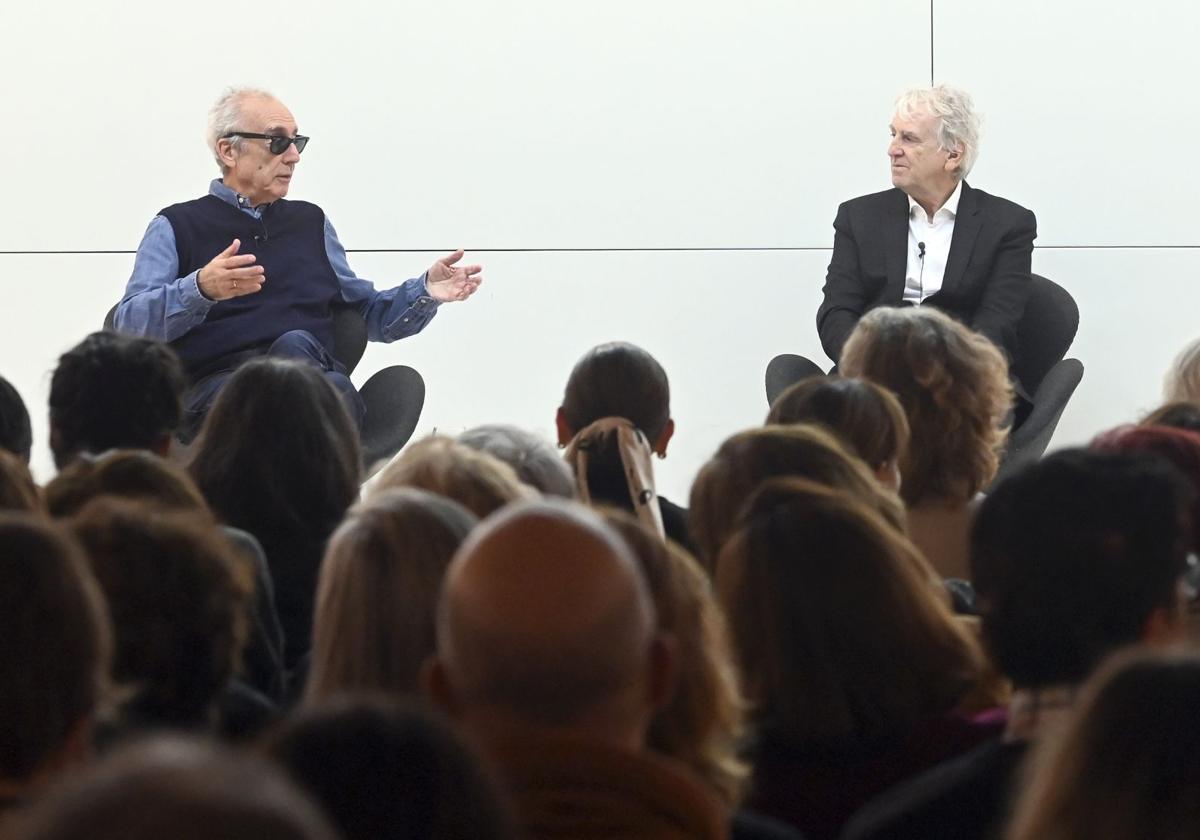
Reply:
x=951, y=205
x=223, y=192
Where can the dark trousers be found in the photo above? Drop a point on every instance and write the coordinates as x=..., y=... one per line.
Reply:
x=297, y=344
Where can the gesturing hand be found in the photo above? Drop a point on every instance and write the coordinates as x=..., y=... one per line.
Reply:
x=448, y=282
x=230, y=274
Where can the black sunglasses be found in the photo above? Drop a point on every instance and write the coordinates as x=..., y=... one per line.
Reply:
x=278, y=144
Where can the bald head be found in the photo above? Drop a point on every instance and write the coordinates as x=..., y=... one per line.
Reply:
x=545, y=618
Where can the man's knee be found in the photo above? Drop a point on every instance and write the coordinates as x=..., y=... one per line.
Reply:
x=300, y=344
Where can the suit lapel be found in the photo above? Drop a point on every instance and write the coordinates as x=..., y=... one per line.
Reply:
x=894, y=225
x=966, y=228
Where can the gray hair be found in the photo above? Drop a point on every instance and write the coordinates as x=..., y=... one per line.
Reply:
x=226, y=116
x=958, y=124
x=531, y=456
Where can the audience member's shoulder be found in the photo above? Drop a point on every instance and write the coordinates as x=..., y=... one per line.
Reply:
x=964, y=798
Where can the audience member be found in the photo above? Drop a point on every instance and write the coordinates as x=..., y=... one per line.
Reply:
x=548, y=655
x=1073, y=557
x=114, y=391
x=384, y=772
x=702, y=724
x=868, y=419
x=621, y=380
x=851, y=664
x=1125, y=765
x=953, y=384
x=134, y=474
x=611, y=463
x=1183, y=379
x=17, y=488
x=178, y=608
x=16, y=434
x=179, y=789
x=748, y=458
x=278, y=456
x=378, y=590
x=152, y=481
x=531, y=457
x=476, y=480
x=54, y=655
x=1179, y=447
x=1180, y=415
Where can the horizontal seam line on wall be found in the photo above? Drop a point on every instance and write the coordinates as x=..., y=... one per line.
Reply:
x=599, y=250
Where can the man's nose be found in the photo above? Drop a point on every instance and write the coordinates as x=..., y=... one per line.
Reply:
x=290, y=155
x=894, y=150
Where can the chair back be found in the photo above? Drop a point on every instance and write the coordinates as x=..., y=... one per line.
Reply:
x=1045, y=332
x=349, y=336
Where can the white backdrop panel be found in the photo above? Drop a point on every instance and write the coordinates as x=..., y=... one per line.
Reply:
x=713, y=319
x=1089, y=111
x=523, y=124
x=1137, y=310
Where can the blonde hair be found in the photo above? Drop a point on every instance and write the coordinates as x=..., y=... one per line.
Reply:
x=1125, y=763
x=703, y=723
x=480, y=482
x=1183, y=379
x=378, y=590
x=750, y=457
x=953, y=384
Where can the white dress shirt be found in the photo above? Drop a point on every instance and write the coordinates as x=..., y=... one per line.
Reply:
x=924, y=275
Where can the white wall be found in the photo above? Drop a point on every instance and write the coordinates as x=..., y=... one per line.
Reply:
x=714, y=140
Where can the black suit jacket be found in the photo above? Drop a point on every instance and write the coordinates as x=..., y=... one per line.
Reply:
x=987, y=272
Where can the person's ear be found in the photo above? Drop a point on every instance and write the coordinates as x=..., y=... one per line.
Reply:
x=662, y=671
x=565, y=432
x=954, y=160
x=437, y=688
x=226, y=153
x=664, y=437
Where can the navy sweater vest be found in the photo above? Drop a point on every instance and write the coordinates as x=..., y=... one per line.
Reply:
x=289, y=241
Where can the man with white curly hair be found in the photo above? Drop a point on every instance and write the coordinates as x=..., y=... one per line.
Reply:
x=243, y=272
x=932, y=239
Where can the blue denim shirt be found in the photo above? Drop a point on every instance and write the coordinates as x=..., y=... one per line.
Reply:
x=159, y=304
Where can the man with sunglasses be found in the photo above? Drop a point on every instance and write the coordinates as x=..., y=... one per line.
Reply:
x=243, y=272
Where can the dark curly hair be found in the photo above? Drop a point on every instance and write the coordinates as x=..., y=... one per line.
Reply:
x=114, y=391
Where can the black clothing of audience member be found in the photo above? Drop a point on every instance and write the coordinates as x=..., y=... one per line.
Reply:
x=383, y=772
x=16, y=435
x=278, y=456
x=1074, y=557
x=114, y=391
x=619, y=379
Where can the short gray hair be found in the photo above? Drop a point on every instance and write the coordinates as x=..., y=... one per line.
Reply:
x=531, y=456
x=226, y=116
x=958, y=124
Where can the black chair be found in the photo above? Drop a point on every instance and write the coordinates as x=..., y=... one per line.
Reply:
x=787, y=369
x=393, y=396
x=1044, y=336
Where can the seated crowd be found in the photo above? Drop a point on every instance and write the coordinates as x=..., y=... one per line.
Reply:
x=851, y=630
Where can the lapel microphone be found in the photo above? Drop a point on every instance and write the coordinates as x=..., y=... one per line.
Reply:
x=921, y=275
